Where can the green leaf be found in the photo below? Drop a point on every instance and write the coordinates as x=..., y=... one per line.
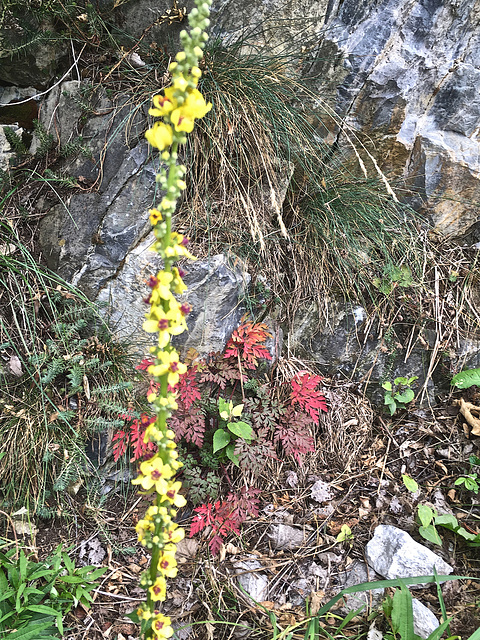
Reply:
x=447, y=520
x=406, y=396
x=69, y=564
x=241, y=429
x=345, y=533
x=387, y=386
x=220, y=439
x=230, y=451
x=237, y=411
x=430, y=534
x=31, y=632
x=425, y=514
x=41, y=608
x=410, y=483
x=438, y=632
x=402, y=613
x=450, y=522
x=383, y=584
x=466, y=379
x=133, y=617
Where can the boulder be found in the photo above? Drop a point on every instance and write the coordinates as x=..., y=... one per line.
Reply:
x=393, y=553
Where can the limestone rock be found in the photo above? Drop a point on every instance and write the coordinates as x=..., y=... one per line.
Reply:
x=393, y=553
x=250, y=579
x=357, y=574
x=214, y=290
x=424, y=621
x=283, y=536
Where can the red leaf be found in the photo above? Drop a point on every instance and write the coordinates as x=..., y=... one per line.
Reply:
x=187, y=387
x=144, y=364
x=137, y=434
x=246, y=342
x=215, y=544
x=304, y=394
x=120, y=445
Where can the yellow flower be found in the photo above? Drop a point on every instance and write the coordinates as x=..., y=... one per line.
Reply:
x=158, y=591
x=173, y=496
x=173, y=533
x=183, y=117
x=167, y=565
x=161, y=627
x=171, y=322
x=178, y=247
x=163, y=106
x=170, y=364
x=154, y=216
x=154, y=474
x=160, y=135
x=160, y=286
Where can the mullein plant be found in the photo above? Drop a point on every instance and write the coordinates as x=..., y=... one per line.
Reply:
x=177, y=108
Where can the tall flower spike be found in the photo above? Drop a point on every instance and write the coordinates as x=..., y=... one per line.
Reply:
x=180, y=105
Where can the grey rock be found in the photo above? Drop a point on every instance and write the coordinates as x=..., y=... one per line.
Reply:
x=343, y=346
x=283, y=536
x=321, y=491
x=214, y=292
x=424, y=621
x=393, y=553
x=91, y=552
x=250, y=579
x=299, y=591
x=357, y=574
x=319, y=572
x=374, y=633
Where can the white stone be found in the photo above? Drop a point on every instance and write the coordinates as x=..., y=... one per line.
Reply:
x=424, y=621
x=393, y=553
x=250, y=579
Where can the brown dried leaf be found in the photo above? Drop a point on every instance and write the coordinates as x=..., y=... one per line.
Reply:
x=316, y=599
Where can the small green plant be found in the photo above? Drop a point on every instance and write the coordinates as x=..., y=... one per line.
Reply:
x=225, y=436
x=398, y=394
x=470, y=482
x=345, y=534
x=410, y=483
x=427, y=529
x=393, y=276
x=430, y=520
x=46, y=141
x=70, y=380
x=398, y=611
x=36, y=596
x=14, y=141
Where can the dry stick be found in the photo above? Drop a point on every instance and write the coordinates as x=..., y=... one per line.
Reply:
x=439, y=333
x=383, y=467
x=14, y=532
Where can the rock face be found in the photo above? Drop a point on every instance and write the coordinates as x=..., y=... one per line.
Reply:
x=402, y=76
x=403, y=72
x=214, y=291
x=393, y=553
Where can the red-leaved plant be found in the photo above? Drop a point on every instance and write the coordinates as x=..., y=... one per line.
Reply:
x=133, y=437
x=225, y=516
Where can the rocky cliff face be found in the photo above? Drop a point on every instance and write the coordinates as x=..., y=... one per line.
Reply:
x=401, y=77
x=404, y=75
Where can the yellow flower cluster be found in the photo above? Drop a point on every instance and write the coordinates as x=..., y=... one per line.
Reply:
x=179, y=106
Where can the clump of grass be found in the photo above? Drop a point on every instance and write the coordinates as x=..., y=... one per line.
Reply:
x=64, y=380
x=266, y=183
